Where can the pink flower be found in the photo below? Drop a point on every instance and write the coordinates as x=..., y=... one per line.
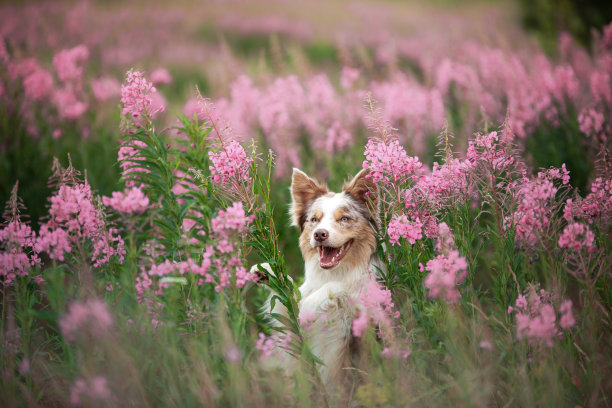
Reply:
x=536, y=319
x=137, y=95
x=38, y=84
x=73, y=218
x=67, y=103
x=90, y=317
x=130, y=201
x=576, y=236
x=375, y=305
x=105, y=88
x=400, y=226
x=348, y=76
x=446, y=272
x=18, y=250
x=93, y=391
x=161, y=76
x=276, y=345
x=66, y=63
x=389, y=163
x=231, y=165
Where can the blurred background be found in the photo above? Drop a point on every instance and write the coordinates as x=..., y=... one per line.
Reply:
x=292, y=75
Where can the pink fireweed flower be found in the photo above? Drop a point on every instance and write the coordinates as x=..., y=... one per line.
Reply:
x=447, y=182
x=446, y=271
x=576, y=236
x=136, y=95
x=402, y=227
x=389, y=163
x=161, y=76
x=105, y=88
x=68, y=104
x=231, y=165
x=66, y=63
x=375, y=305
x=536, y=201
x=130, y=201
x=490, y=149
x=38, y=84
x=73, y=218
x=91, y=317
x=94, y=391
x=597, y=205
x=18, y=251
x=536, y=319
x=275, y=345
x=591, y=122
x=348, y=76
x=232, y=219
x=396, y=352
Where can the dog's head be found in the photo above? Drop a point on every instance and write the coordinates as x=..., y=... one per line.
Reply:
x=337, y=229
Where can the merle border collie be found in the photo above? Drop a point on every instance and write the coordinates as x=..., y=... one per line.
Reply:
x=338, y=243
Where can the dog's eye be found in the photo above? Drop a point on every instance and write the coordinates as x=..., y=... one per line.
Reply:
x=344, y=218
x=314, y=219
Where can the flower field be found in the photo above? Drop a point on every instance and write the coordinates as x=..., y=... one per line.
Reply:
x=146, y=161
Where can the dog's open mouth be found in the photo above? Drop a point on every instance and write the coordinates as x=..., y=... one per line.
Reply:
x=331, y=257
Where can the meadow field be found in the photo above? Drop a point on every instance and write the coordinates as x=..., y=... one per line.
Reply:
x=146, y=153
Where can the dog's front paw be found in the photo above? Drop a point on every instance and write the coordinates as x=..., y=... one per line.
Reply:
x=263, y=271
x=330, y=296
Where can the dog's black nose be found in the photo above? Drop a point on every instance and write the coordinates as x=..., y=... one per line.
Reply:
x=321, y=235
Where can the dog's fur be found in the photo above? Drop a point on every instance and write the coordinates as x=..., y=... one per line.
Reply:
x=347, y=222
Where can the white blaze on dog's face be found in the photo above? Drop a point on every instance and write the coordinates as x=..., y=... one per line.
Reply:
x=336, y=228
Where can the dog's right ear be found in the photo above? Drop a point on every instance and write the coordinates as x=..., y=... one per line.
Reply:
x=304, y=191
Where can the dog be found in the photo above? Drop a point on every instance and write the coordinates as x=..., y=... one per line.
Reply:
x=338, y=241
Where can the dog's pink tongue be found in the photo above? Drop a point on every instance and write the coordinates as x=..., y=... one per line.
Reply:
x=327, y=257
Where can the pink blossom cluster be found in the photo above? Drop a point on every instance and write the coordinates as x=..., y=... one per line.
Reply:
x=18, y=250
x=492, y=150
x=201, y=269
x=348, y=77
x=105, y=88
x=74, y=220
x=93, y=391
x=396, y=352
x=231, y=219
x=90, y=317
x=222, y=262
x=414, y=109
x=596, y=207
x=576, y=236
x=536, y=201
x=67, y=63
x=137, y=95
x=447, y=270
x=375, y=305
x=231, y=166
x=131, y=201
x=592, y=123
x=401, y=227
x=67, y=96
x=389, y=163
x=161, y=76
x=536, y=319
x=275, y=345
x=446, y=183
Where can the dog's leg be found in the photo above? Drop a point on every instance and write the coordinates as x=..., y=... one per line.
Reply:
x=331, y=310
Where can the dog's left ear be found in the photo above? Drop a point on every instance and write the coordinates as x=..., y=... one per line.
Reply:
x=363, y=190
